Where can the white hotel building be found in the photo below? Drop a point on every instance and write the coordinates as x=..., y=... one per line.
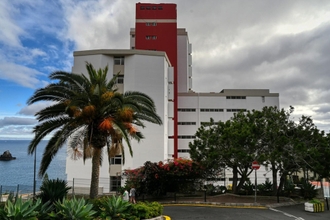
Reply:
x=181, y=109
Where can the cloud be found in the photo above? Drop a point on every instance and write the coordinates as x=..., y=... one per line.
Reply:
x=14, y=121
x=27, y=27
x=98, y=24
x=10, y=30
x=34, y=108
x=20, y=74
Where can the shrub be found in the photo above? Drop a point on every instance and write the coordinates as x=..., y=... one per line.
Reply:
x=214, y=190
x=288, y=189
x=308, y=190
x=145, y=210
x=315, y=201
x=247, y=188
x=266, y=188
x=156, y=179
x=210, y=189
x=53, y=190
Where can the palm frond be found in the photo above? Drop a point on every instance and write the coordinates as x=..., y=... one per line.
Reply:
x=52, y=111
x=53, y=146
x=44, y=129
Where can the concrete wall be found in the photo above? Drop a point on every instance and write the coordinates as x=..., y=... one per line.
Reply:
x=149, y=75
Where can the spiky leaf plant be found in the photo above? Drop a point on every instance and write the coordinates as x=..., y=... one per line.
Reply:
x=20, y=210
x=53, y=190
x=73, y=209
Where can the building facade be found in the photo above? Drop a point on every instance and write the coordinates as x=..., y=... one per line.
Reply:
x=159, y=64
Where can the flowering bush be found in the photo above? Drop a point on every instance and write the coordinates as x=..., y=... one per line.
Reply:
x=177, y=175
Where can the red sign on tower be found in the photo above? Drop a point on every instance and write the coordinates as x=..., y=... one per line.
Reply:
x=255, y=165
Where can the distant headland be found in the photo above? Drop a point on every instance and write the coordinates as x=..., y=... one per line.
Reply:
x=7, y=156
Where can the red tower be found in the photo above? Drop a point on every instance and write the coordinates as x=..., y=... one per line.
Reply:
x=156, y=29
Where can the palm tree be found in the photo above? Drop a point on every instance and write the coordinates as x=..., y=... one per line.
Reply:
x=90, y=113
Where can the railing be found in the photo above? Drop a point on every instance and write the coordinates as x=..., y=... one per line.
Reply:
x=24, y=191
x=81, y=186
x=78, y=186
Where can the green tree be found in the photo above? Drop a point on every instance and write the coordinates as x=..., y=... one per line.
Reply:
x=205, y=148
x=270, y=137
x=315, y=148
x=276, y=141
x=233, y=143
x=89, y=111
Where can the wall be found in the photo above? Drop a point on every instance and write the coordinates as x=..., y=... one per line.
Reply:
x=149, y=74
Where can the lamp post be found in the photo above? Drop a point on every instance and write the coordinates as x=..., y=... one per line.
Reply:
x=34, y=173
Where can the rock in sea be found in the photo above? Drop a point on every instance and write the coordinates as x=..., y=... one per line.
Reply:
x=7, y=156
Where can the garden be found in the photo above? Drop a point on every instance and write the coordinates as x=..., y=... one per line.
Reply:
x=53, y=202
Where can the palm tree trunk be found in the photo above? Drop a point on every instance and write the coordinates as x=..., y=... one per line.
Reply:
x=95, y=173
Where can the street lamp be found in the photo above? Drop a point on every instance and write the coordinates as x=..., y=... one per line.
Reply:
x=34, y=173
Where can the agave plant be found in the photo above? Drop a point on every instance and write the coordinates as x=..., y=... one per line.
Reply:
x=44, y=209
x=73, y=209
x=20, y=210
x=308, y=190
x=115, y=208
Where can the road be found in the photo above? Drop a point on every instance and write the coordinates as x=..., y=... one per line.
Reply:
x=295, y=212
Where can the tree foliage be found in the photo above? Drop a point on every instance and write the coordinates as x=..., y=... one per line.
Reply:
x=268, y=136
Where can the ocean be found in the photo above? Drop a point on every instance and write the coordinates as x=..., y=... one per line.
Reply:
x=19, y=173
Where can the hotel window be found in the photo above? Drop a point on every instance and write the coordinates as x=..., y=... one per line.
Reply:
x=148, y=37
x=133, y=35
x=263, y=98
x=235, y=97
x=236, y=110
x=154, y=37
x=148, y=8
x=186, y=123
x=186, y=137
x=120, y=79
x=142, y=7
x=116, y=160
x=115, y=182
x=154, y=8
x=211, y=110
x=147, y=24
x=119, y=60
x=154, y=24
x=160, y=8
x=186, y=109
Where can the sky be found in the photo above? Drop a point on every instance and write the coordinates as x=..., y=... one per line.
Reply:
x=283, y=46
